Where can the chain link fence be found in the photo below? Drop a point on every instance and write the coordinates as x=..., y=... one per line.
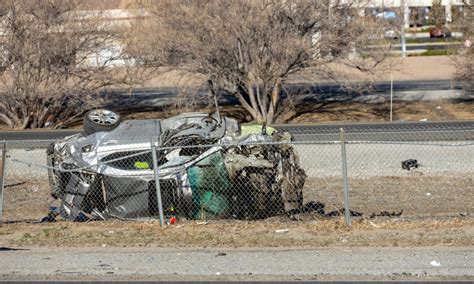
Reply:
x=388, y=173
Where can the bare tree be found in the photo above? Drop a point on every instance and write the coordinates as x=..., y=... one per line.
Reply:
x=436, y=15
x=249, y=48
x=54, y=58
x=464, y=61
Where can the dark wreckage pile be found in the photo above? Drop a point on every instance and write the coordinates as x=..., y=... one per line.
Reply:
x=208, y=167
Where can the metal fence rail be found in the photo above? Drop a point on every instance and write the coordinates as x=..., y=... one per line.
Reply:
x=312, y=178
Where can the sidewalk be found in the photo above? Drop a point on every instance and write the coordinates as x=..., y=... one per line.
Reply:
x=422, y=68
x=417, y=68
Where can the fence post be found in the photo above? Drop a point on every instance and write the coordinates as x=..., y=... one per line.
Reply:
x=4, y=171
x=347, y=213
x=157, y=181
x=391, y=97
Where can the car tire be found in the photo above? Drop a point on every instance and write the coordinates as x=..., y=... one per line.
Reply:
x=98, y=120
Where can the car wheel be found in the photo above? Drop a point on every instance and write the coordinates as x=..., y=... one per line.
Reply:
x=98, y=120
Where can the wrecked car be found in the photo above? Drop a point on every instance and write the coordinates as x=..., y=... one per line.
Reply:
x=207, y=168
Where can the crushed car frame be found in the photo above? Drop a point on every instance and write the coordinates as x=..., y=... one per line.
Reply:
x=208, y=167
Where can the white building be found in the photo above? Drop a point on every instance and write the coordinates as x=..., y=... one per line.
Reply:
x=421, y=6
x=413, y=3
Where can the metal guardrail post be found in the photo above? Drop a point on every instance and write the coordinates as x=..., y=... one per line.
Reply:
x=157, y=182
x=2, y=178
x=347, y=213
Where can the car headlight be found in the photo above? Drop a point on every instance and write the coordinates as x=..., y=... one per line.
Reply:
x=86, y=148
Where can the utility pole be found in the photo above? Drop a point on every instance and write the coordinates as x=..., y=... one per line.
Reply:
x=404, y=9
x=391, y=97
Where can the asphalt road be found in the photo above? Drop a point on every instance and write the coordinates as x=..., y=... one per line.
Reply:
x=429, y=45
x=394, y=131
x=147, y=99
x=36, y=134
x=227, y=264
x=413, y=85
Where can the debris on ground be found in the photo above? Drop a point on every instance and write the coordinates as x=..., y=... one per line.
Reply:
x=279, y=231
x=435, y=263
x=373, y=224
x=386, y=214
x=342, y=212
x=14, y=184
x=51, y=217
x=409, y=164
x=313, y=206
x=319, y=208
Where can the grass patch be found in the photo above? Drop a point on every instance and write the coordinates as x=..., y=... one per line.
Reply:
x=429, y=40
x=434, y=52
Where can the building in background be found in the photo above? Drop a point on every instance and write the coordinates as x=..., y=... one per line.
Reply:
x=417, y=12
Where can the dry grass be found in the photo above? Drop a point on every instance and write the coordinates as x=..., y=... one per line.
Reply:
x=450, y=195
x=311, y=230
x=378, y=112
x=241, y=234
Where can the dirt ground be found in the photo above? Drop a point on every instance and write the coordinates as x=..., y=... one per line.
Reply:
x=443, y=217
x=413, y=196
x=402, y=111
x=382, y=231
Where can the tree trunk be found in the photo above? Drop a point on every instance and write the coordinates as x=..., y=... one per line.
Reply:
x=260, y=104
x=275, y=97
x=6, y=120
